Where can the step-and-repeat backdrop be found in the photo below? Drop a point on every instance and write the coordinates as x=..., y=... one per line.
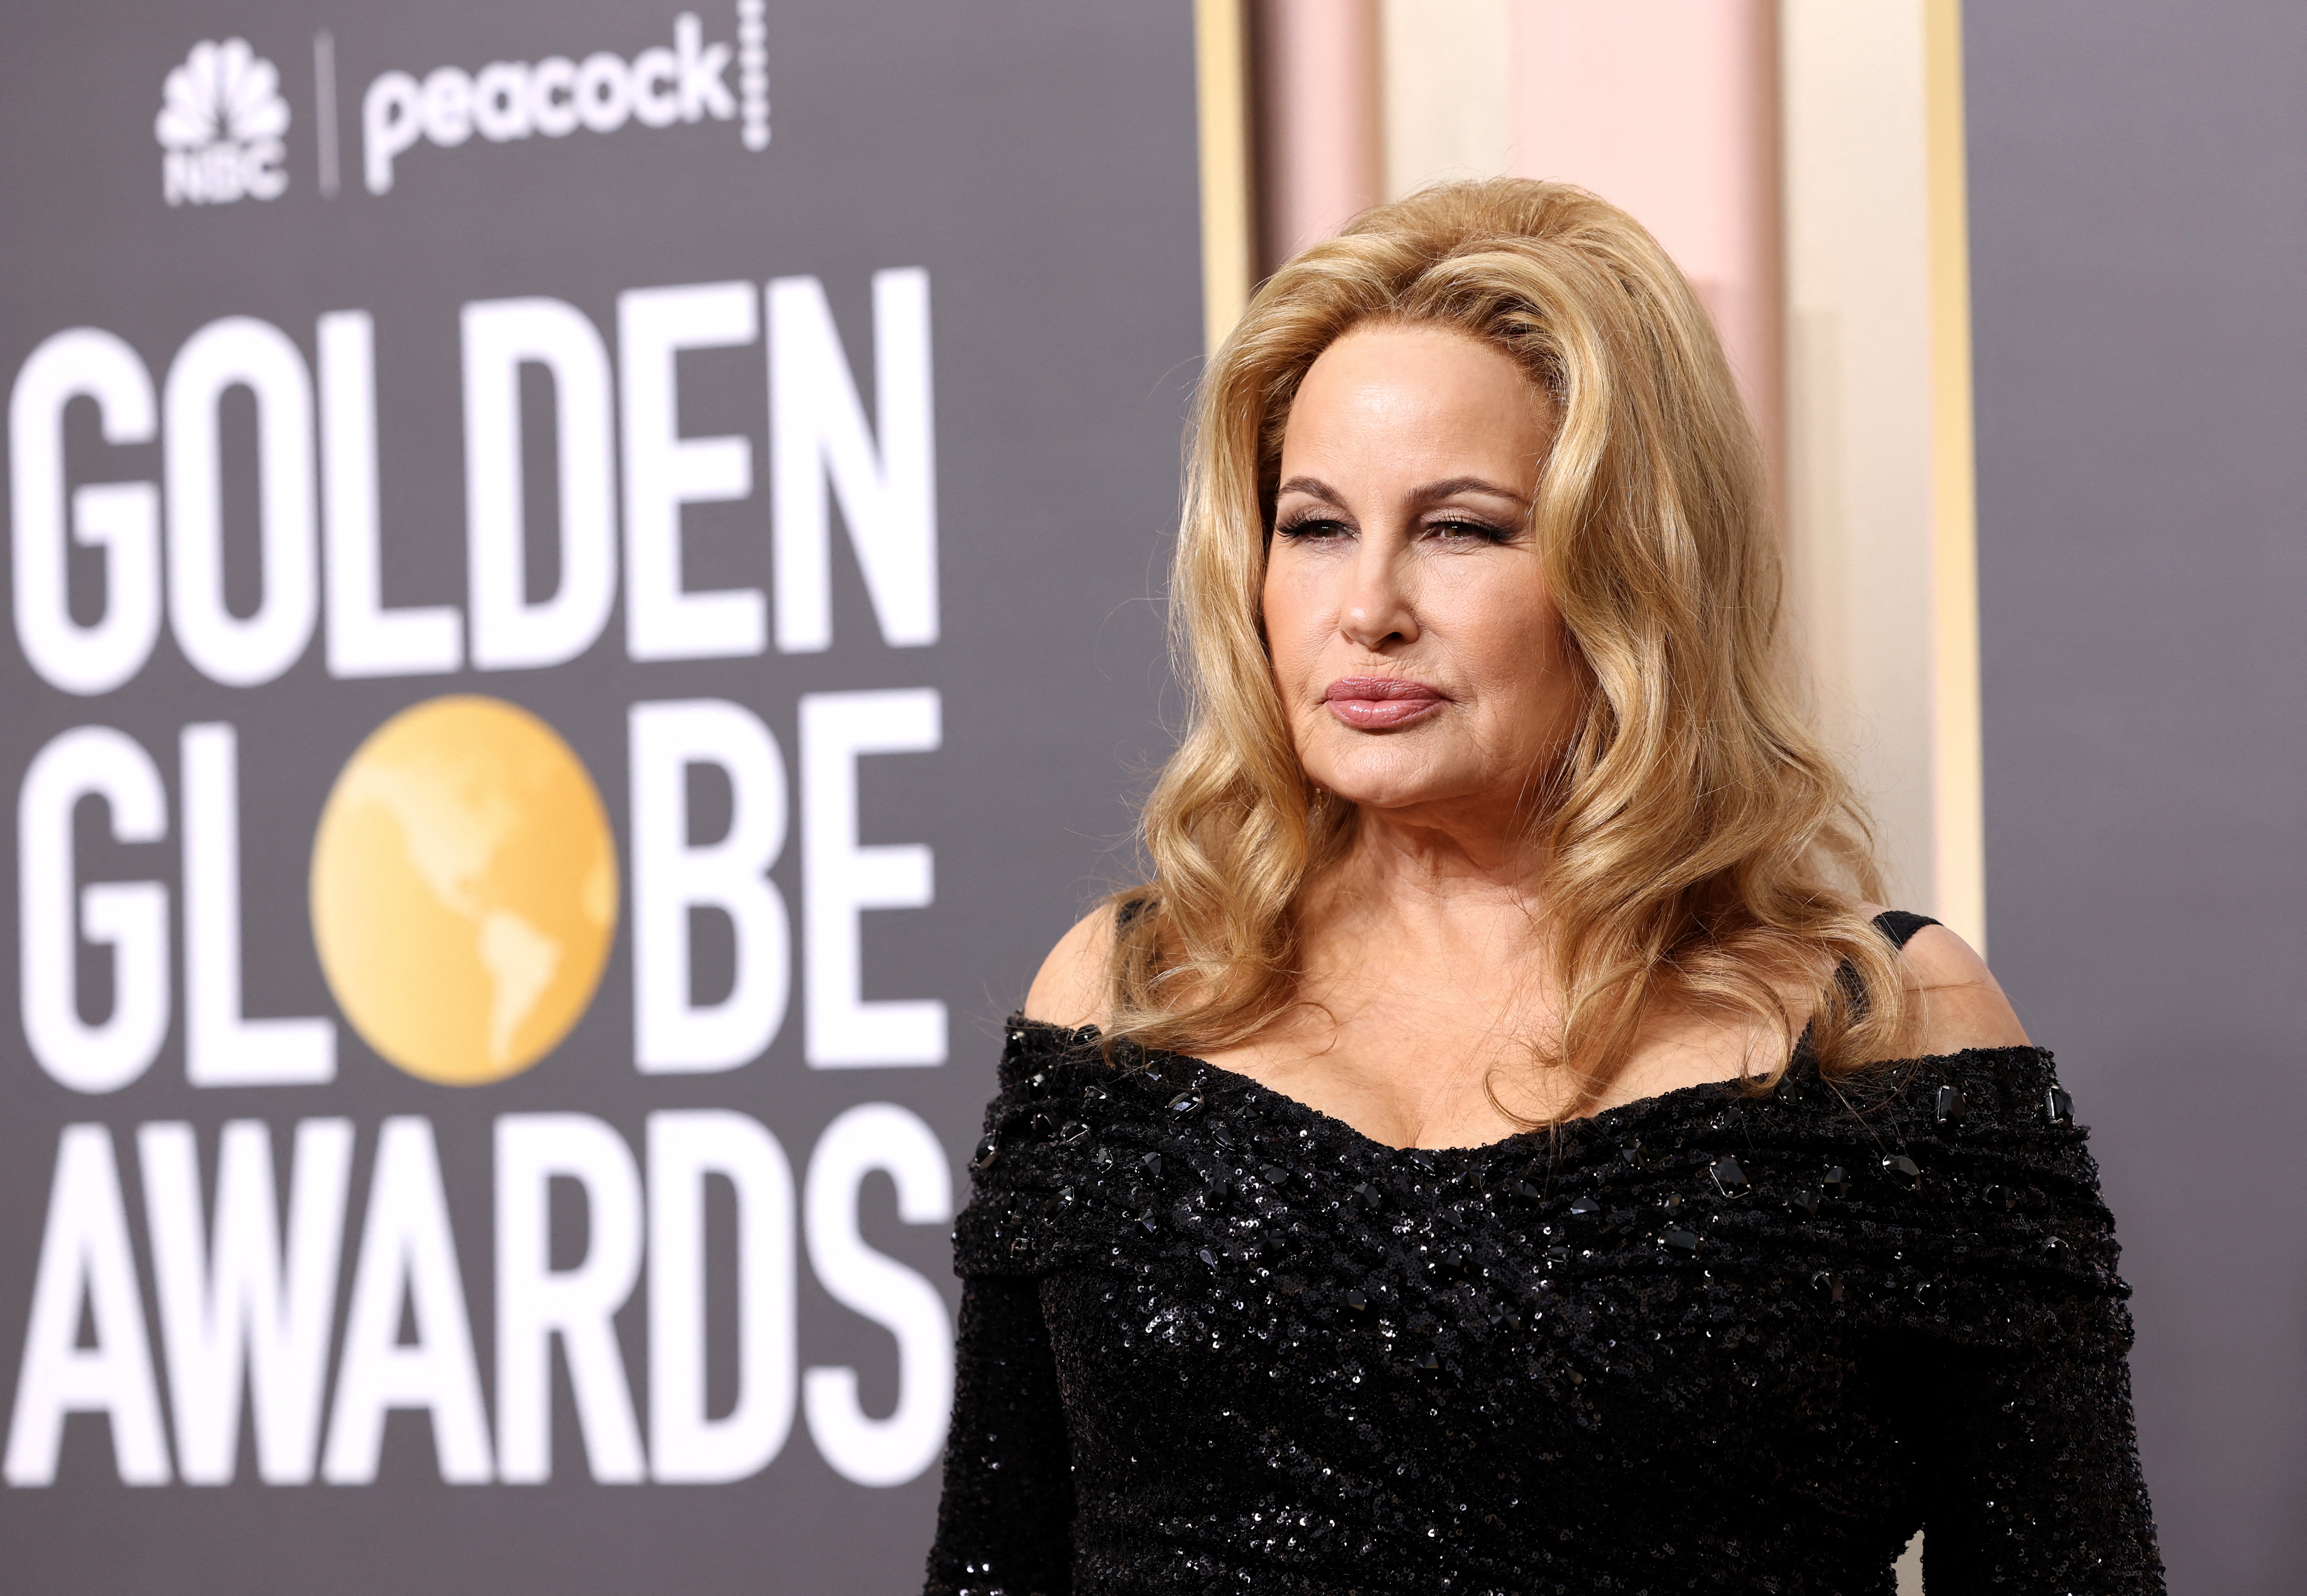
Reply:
x=578, y=617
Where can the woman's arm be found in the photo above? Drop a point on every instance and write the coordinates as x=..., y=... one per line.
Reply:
x=1005, y=1522
x=2013, y=1356
x=2029, y=1463
x=1960, y=1002
x=1069, y=990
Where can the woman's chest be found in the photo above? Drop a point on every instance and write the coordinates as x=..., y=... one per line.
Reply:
x=1435, y=1072
x=1250, y=1292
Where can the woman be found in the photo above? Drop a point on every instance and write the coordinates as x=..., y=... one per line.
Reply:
x=1475, y=1161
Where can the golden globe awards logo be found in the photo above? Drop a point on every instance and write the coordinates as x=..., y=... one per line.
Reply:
x=221, y=125
x=464, y=890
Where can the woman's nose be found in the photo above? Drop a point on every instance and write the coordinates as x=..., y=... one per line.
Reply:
x=1377, y=604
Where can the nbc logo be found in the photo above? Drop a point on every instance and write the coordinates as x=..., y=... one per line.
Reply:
x=220, y=122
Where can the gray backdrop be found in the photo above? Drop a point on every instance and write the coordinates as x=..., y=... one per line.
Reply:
x=2138, y=208
x=1036, y=156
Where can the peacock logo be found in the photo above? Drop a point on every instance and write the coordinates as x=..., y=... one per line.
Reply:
x=221, y=125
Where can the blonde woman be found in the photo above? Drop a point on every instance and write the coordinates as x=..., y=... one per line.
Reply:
x=1501, y=1148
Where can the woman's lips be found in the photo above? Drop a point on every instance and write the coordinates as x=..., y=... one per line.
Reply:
x=1380, y=703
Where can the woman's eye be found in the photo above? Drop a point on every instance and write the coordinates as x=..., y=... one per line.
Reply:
x=1313, y=527
x=1466, y=531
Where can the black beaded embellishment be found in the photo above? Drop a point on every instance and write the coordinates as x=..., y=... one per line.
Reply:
x=1213, y=1341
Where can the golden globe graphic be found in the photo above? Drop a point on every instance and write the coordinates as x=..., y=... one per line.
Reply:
x=464, y=890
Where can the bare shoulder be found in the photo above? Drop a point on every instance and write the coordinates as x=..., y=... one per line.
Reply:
x=1071, y=989
x=1960, y=1004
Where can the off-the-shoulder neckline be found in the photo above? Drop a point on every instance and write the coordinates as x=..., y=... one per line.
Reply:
x=1584, y=1125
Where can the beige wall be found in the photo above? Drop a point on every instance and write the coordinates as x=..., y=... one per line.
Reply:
x=1858, y=360
x=1880, y=529
x=1448, y=100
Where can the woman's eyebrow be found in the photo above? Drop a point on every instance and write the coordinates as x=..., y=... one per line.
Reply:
x=1313, y=485
x=1429, y=493
x=1451, y=485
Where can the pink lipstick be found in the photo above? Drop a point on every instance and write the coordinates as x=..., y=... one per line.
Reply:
x=1380, y=703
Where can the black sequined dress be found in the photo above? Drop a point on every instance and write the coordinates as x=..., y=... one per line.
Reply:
x=1212, y=1339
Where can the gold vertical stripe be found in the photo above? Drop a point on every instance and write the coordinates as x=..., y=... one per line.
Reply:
x=1222, y=90
x=1957, y=798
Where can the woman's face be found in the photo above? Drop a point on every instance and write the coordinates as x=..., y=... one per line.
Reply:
x=1416, y=648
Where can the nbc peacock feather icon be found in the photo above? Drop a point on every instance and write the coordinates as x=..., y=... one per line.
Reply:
x=222, y=116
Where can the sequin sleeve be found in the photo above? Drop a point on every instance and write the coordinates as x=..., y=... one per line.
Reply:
x=2019, y=1388
x=1027, y=1176
x=1005, y=1520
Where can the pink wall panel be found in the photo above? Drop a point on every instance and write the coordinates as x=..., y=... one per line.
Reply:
x=1670, y=107
x=1321, y=151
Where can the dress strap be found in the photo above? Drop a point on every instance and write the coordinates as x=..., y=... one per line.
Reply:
x=1901, y=926
x=1898, y=927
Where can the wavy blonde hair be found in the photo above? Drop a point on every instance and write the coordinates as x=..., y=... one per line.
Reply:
x=1700, y=845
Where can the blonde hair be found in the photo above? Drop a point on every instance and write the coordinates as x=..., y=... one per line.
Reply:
x=1701, y=846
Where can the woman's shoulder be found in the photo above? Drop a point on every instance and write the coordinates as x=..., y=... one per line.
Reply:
x=1069, y=990
x=1959, y=1004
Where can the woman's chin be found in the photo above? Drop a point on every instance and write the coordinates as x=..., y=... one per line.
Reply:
x=1383, y=792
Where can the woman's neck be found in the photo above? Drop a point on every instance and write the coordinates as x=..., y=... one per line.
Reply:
x=1438, y=885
